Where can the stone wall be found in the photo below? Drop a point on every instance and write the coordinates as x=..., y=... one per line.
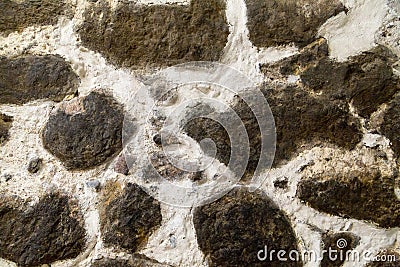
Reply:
x=86, y=158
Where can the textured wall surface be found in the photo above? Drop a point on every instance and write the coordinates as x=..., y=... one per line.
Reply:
x=78, y=78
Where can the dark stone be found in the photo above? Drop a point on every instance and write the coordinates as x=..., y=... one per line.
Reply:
x=391, y=126
x=85, y=132
x=5, y=125
x=232, y=230
x=121, y=166
x=135, y=261
x=281, y=183
x=388, y=258
x=360, y=195
x=17, y=16
x=136, y=35
x=301, y=118
x=338, y=244
x=128, y=218
x=34, y=165
x=28, y=78
x=367, y=79
x=281, y=22
x=49, y=231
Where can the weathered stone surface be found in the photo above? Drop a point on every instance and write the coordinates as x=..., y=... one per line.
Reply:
x=137, y=35
x=232, y=230
x=338, y=244
x=35, y=165
x=366, y=80
x=391, y=125
x=19, y=15
x=28, y=78
x=387, y=258
x=280, y=22
x=128, y=218
x=302, y=118
x=360, y=195
x=135, y=261
x=85, y=132
x=5, y=125
x=121, y=166
x=49, y=231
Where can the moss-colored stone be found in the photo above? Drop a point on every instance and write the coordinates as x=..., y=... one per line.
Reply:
x=280, y=22
x=360, y=195
x=128, y=218
x=338, y=244
x=232, y=230
x=15, y=16
x=137, y=35
x=49, y=231
x=5, y=125
x=85, y=132
x=28, y=78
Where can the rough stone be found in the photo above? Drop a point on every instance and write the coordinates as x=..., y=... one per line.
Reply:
x=386, y=253
x=340, y=243
x=367, y=80
x=49, y=231
x=281, y=22
x=135, y=261
x=128, y=218
x=390, y=126
x=27, y=78
x=85, y=132
x=121, y=166
x=15, y=16
x=137, y=35
x=231, y=230
x=5, y=125
x=35, y=165
x=360, y=195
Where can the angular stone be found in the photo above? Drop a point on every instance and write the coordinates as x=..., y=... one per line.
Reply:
x=232, y=230
x=387, y=258
x=281, y=22
x=19, y=15
x=360, y=195
x=49, y=231
x=367, y=80
x=137, y=35
x=390, y=126
x=5, y=125
x=121, y=166
x=28, y=78
x=85, y=132
x=129, y=217
x=338, y=244
x=135, y=261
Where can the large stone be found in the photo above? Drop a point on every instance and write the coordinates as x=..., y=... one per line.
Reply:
x=232, y=230
x=360, y=195
x=85, y=132
x=5, y=125
x=138, y=35
x=136, y=261
x=386, y=258
x=17, y=15
x=281, y=22
x=27, y=78
x=128, y=216
x=49, y=231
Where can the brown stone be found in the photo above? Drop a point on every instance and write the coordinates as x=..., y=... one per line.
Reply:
x=129, y=217
x=137, y=35
x=85, y=132
x=232, y=230
x=390, y=126
x=360, y=195
x=28, y=78
x=15, y=16
x=391, y=256
x=281, y=22
x=49, y=231
x=5, y=125
x=338, y=244
x=135, y=261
